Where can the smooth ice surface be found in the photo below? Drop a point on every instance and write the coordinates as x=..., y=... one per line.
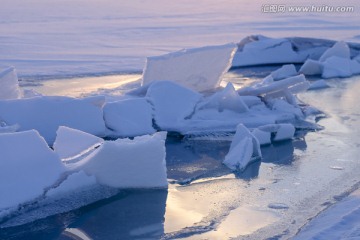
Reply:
x=285, y=71
x=285, y=132
x=129, y=118
x=172, y=103
x=199, y=69
x=340, y=49
x=125, y=163
x=46, y=114
x=9, y=85
x=72, y=142
x=262, y=136
x=319, y=84
x=27, y=167
x=336, y=67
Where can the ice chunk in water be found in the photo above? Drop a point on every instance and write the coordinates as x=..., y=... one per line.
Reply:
x=172, y=103
x=199, y=69
x=27, y=167
x=283, y=131
x=130, y=117
x=319, y=84
x=262, y=136
x=340, y=49
x=71, y=142
x=46, y=114
x=243, y=147
x=125, y=163
x=311, y=67
x=336, y=67
x=9, y=85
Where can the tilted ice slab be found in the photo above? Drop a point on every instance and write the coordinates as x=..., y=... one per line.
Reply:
x=199, y=69
x=260, y=50
x=285, y=71
x=172, y=103
x=243, y=147
x=27, y=168
x=9, y=85
x=70, y=143
x=129, y=118
x=125, y=163
x=46, y=114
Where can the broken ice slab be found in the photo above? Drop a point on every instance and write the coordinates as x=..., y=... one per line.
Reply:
x=280, y=88
x=172, y=103
x=125, y=163
x=9, y=84
x=285, y=71
x=27, y=168
x=311, y=67
x=199, y=69
x=70, y=143
x=129, y=118
x=339, y=49
x=244, y=147
x=46, y=114
x=282, y=131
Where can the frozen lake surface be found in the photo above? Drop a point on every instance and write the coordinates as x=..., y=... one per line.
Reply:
x=274, y=198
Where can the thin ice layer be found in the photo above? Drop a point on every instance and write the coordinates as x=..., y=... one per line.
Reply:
x=27, y=167
x=199, y=69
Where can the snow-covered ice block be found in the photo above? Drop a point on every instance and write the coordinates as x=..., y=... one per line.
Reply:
x=293, y=85
x=260, y=50
x=285, y=71
x=262, y=136
x=130, y=117
x=283, y=106
x=199, y=69
x=46, y=114
x=319, y=84
x=283, y=131
x=228, y=98
x=311, y=67
x=336, y=67
x=172, y=103
x=243, y=147
x=73, y=182
x=72, y=142
x=27, y=167
x=125, y=163
x=9, y=84
x=340, y=49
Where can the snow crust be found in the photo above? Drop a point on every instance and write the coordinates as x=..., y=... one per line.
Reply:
x=199, y=69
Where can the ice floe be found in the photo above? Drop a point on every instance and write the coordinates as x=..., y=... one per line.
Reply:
x=285, y=71
x=199, y=69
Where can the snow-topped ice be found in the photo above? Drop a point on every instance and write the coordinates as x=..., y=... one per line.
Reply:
x=9, y=85
x=198, y=69
x=340, y=49
x=260, y=50
x=27, y=167
x=125, y=163
x=172, y=103
x=285, y=71
x=243, y=147
x=228, y=98
x=72, y=142
x=46, y=114
x=129, y=118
